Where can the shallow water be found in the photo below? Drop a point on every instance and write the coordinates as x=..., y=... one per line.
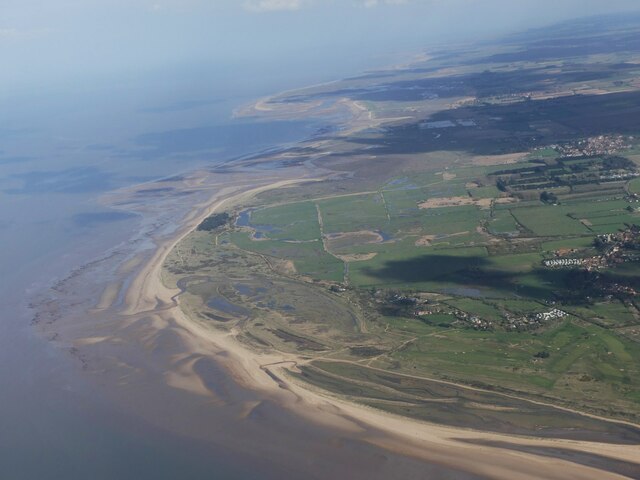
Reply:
x=244, y=219
x=54, y=424
x=60, y=152
x=225, y=306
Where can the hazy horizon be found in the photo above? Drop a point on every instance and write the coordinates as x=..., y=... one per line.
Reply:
x=66, y=44
x=98, y=95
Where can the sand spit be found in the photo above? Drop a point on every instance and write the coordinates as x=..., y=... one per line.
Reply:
x=109, y=295
x=266, y=373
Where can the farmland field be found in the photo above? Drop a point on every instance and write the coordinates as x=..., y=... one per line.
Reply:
x=448, y=279
x=468, y=237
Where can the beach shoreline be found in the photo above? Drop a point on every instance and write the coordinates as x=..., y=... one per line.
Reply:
x=144, y=307
x=267, y=373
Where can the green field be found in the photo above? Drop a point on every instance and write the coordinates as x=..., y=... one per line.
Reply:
x=431, y=259
x=634, y=186
x=309, y=258
x=350, y=214
x=503, y=222
x=549, y=221
x=297, y=221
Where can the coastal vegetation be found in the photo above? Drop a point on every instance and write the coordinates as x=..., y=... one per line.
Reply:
x=213, y=222
x=470, y=258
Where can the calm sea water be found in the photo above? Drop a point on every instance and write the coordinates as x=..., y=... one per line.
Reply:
x=59, y=151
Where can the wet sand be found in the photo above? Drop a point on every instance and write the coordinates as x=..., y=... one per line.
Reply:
x=195, y=381
x=126, y=329
x=145, y=358
x=428, y=442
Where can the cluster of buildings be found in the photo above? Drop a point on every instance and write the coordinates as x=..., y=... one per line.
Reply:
x=471, y=320
x=615, y=248
x=588, y=263
x=624, y=290
x=522, y=323
x=593, y=146
x=551, y=315
x=514, y=323
x=611, y=289
x=618, y=176
x=398, y=299
x=563, y=262
x=534, y=320
x=613, y=242
x=633, y=198
x=480, y=324
x=619, y=247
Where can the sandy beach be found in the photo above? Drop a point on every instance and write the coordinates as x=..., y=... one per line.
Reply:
x=151, y=316
x=142, y=345
x=148, y=296
x=138, y=336
x=304, y=239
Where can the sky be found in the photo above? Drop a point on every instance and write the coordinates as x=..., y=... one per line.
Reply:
x=57, y=42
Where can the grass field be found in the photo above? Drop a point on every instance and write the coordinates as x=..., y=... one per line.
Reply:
x=350, y=214
x=429, y=261
x=456, y=244
x=503, y=222
x=309, y=258
x=549, y=221
x=485, y=257
x=296, y=221
x=634, y=186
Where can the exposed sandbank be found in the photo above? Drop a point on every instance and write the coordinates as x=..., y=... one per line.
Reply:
x=266, y=373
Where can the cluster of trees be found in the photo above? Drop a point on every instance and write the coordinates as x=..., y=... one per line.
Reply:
x=214, y=221
x=549, y=197
x=563, y=173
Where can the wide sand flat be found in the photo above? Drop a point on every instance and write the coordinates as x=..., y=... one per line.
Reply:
x=267, y=373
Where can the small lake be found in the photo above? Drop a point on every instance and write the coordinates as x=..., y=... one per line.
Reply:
x=223, y=305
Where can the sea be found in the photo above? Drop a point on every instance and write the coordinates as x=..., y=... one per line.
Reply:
x=62, y=147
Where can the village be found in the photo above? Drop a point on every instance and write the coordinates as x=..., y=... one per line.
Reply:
x=468, y=320
x=614, y=242
x=594, y=146
x=614, y=248
x=533, y=321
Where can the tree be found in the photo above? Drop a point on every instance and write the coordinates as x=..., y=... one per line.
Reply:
x=548, y=197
